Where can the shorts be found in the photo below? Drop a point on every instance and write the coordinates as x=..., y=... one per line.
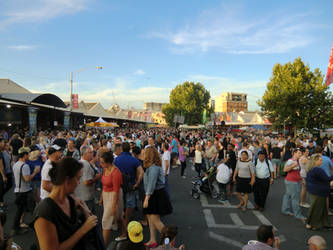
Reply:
x=130, y=199
x=108, y=219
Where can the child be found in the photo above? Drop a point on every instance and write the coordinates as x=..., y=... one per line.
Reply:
x=223, y=175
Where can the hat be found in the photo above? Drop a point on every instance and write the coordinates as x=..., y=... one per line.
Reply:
x=24, y=150
x=134, y=229
x=54, y=148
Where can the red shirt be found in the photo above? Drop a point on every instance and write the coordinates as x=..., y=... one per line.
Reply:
x=112, y=182
x=294, y=174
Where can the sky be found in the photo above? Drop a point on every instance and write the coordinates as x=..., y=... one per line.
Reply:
x=148, y=47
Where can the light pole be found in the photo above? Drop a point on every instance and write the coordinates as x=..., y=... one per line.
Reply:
x=71, y=83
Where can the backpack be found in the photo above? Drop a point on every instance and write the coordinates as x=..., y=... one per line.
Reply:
x=224, y=176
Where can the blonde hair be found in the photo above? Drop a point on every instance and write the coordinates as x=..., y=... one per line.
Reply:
x=311, y=162
x=151, y=157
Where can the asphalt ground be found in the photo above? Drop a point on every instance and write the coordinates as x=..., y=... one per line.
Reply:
x=207, y=224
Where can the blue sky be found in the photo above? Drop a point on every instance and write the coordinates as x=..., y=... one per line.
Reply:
x=148, y=47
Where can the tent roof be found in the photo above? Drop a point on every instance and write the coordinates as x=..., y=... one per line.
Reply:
x=47, y=99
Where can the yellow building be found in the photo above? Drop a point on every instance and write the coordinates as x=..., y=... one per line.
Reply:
x=230, y=102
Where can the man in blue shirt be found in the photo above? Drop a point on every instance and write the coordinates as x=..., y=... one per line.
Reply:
x=174, y=150
x=129, y=165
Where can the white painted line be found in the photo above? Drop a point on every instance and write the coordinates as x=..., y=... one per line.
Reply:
x=224, y=239
x=263, y=219
x=282, y=238
x=204, y=203
x=210, y=220
x=235, y=218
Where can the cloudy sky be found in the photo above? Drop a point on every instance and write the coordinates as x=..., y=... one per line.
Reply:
x=148, y=47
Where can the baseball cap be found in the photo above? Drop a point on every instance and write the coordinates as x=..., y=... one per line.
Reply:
x=54, y=148
x=134, y=229
x=24, y=150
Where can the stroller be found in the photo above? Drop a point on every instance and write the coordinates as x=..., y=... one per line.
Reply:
x=204, y=184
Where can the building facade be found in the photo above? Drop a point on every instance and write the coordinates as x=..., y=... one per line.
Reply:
x=153, y=106
x=230, y=102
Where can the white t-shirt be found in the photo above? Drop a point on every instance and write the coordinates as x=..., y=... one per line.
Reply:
x=25, y=186
x=166, y=157
x=45, y=177
x=223, y=173
x=197, y=156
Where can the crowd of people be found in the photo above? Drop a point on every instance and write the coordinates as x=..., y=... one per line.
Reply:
x=59, y=175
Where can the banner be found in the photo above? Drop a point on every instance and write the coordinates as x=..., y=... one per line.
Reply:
x=329, y=75
x=75, y=101
x=67, y=120
x=204, y=116
x=32, y=111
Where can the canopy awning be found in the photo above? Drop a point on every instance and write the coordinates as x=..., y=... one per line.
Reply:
x=46, y=99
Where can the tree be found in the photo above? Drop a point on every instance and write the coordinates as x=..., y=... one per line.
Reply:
x=188, y=99
x=297, y=96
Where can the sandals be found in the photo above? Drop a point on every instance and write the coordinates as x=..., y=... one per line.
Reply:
x=240, y=205
x=309, y=227
x=244, y=209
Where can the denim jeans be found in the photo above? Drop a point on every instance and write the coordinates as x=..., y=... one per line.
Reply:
x=290, y=202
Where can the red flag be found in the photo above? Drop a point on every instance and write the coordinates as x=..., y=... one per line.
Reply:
x=329, y=75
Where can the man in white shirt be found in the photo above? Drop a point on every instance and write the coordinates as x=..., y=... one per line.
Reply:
x=55, y=154
x=264, y=177
x=244, y=148
x=166, y=165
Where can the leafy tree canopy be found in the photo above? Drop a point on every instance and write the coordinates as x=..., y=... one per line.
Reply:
x=188, y=99
x=297, y=96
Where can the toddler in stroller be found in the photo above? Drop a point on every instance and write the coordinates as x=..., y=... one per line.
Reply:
x=204, y=184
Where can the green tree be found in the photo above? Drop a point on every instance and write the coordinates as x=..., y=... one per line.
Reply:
x=188, y=99
x=297, y=96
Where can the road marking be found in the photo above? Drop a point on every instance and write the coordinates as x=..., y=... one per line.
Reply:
x=263, y=219
x=210, y=220
x=226, y=240
x=204, y=203
x=235, y=218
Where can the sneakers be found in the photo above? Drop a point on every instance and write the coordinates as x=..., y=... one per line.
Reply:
x=184, y=177
x=306, y=205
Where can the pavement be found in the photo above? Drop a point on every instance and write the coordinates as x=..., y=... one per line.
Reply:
x=207, y=224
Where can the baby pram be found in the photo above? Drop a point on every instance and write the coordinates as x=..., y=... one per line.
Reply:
x=204, y=184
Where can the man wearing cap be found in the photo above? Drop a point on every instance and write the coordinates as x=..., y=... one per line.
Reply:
x=264, y=177
x=22, y=178
x=55, y=154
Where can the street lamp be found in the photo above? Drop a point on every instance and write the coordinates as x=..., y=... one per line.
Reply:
x=71, y=82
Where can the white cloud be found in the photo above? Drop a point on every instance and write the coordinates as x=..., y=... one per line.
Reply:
x=22, y=47
x=139, y=72
x=31, y=11
x=230, y=29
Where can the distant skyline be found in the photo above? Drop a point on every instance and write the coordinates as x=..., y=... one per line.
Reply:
x=148, y=47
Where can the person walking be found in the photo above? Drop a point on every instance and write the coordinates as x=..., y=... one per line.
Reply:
x=303, y=162
x=318, y=186
x=198, y=159
x=22, y=177
x=264, y=173
x=244, y=178
x=166, y=166
x=156, y=203
x=290, y=202
x=112, y=195
x=182, y=159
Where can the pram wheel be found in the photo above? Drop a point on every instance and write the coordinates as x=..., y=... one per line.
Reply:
x=196, y=195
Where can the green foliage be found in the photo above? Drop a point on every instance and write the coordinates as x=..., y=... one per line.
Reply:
x=297, y=96
x=189, y=99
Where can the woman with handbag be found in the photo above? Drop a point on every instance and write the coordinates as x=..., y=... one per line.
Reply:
x=56, y=218
x=245, y=179
x=156, y=203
